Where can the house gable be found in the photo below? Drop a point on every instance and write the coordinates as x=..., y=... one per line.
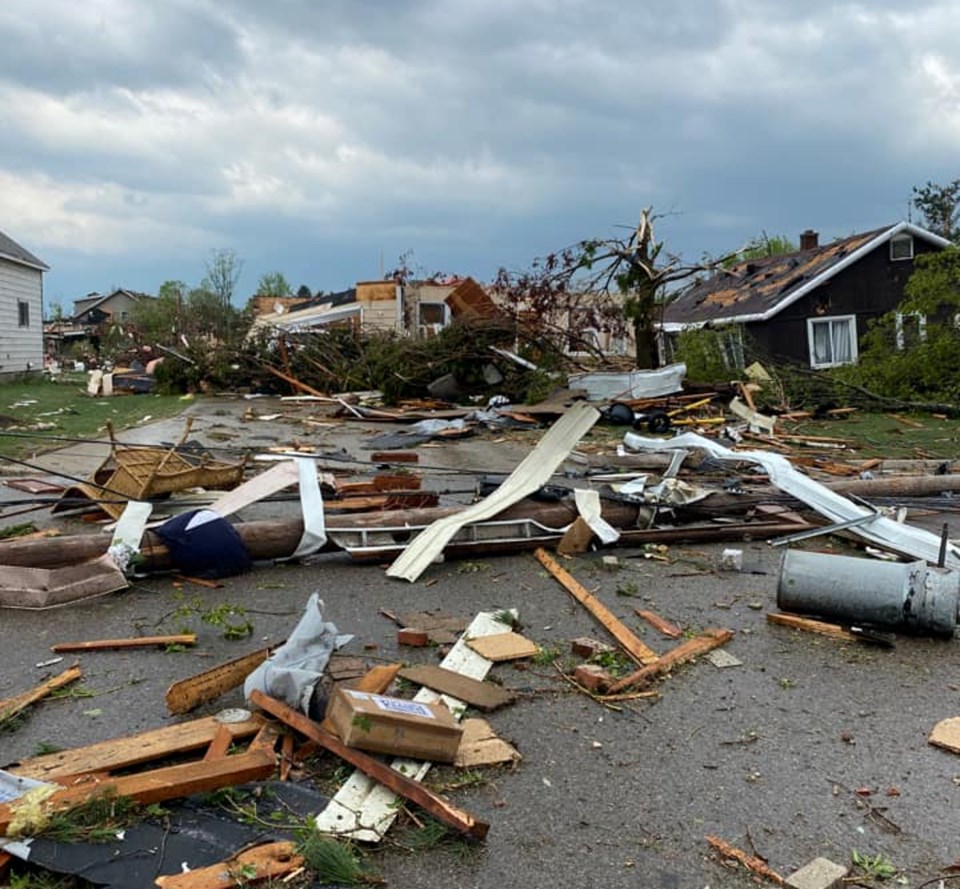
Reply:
x=21, y=308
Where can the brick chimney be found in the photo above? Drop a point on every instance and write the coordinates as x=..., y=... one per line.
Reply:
x=809, y=239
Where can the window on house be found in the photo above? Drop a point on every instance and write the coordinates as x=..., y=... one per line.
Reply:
x=431, y=318
x=911, y=330
x=23, y=313
x=832, y=341
x=901, y=247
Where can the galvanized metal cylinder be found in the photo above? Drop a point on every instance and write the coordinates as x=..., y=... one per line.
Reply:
x=863, y=591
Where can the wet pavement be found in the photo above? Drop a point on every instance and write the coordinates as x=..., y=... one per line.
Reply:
x=811, y=747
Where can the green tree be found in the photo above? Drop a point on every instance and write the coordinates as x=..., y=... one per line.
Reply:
x=274, y=284
x=899, y=358
x=304, y=292
x=158, y=321
x=940, y=208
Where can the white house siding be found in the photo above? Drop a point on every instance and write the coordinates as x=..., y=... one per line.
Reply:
x=21, y=348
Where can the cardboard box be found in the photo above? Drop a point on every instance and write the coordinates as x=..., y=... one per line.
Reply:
x=394, y=725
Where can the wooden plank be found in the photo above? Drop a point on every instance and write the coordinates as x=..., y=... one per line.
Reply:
x=482, y=695
x=507, y=646
x=261, y=863
x=118, y=753
x=661, y=624
x=12, y=706
x=220, y=744
x=139, y=642
x=160, y=785
x=707, y=641
x=633, y=646
x=822, y=628
x=362, y=809
x=187, y=694
x=408, y=788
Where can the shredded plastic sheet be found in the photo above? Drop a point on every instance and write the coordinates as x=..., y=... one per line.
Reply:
x=882, y=531
x=292, y=672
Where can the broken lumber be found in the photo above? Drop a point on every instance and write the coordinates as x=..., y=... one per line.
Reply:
x=185, y=695
x=266, y=862
x=140, y=642
x=12, y=706
x=822, y=628
x=670, y=630
x=160, y=785
x=414, y=791
x=637, y=650
x=133, y=750
x=751, y=862
x=475, y=692
x=707, y=641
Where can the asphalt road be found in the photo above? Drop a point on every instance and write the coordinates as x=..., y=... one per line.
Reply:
x=811, y=747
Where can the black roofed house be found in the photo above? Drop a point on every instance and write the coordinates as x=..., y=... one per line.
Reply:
x=811, y=306
x=21, y=308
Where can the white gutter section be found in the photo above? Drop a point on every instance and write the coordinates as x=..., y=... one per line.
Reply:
x=914, y=543
x=534, y=472
x=813, y=283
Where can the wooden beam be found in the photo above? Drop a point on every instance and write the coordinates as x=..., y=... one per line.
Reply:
x=707, y=641
x=12, y=706
x=220, y=744
x=160, y=785
x=137, y=642
x=822, y=628
x=187, y=694
x=266, y=862
x=400, y=784
x=633, y=646
x=120, y=753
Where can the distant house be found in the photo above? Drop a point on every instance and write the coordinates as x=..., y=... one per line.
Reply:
x=811, y=306
x=418, y=308
x=21, y=308
x=95, y=309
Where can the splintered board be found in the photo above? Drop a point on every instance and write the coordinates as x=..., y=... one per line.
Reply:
x=362, y=809
x=187, y=694
x=483, y=695
x=121, y=753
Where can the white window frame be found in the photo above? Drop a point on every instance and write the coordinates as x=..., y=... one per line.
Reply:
x=832, y=319
x=921, y=328
x=901, y=239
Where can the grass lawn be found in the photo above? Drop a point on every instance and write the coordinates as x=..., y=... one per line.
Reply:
x=34, y=412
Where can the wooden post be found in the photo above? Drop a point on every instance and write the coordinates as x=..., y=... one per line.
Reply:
x=710, y=639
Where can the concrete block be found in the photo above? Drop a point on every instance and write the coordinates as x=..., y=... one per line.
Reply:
x=821, y=873
x=611, y=563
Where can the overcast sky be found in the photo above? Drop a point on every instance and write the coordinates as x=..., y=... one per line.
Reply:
x=323, y=138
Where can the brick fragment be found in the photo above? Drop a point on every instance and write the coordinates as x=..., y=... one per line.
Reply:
x=413, y=636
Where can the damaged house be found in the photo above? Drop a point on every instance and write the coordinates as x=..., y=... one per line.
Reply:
x=811, y=306
x=415, y=308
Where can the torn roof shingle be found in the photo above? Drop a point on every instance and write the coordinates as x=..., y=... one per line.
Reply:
x=10, y=249
x=756, y=289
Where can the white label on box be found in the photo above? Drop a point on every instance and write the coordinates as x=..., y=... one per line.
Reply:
x=410, y=708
